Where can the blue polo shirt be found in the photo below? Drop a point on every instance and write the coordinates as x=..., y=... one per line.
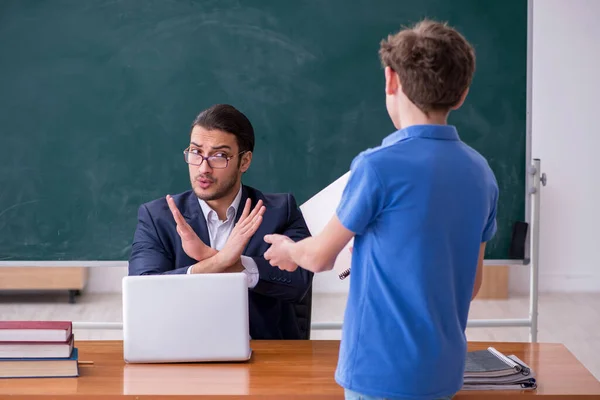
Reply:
x=420, y=205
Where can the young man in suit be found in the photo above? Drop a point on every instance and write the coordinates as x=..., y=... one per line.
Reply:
x=211, y=228
x=421, y=208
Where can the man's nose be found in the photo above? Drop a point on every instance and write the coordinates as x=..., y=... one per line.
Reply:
x=204, y=167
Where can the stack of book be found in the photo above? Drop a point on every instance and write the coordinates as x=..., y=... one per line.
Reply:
x=37, y=349
x=491, y=370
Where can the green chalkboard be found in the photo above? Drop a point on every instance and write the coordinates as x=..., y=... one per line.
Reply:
x=97, y=96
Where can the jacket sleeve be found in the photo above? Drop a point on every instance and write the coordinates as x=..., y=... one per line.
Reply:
x=273, y=282
x=148, y=254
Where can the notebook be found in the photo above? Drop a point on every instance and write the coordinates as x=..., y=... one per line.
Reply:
x=509, y=386
x=503, y=373
x=492, y=363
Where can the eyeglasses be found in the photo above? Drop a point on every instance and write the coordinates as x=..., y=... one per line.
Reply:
x=215, y=162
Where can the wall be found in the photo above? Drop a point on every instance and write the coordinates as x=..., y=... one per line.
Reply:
x=566, y=86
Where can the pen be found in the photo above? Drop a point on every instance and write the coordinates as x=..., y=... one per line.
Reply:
x=344, y=274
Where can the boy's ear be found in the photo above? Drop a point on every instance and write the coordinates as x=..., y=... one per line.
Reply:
x=461, y=101
x=392, y=81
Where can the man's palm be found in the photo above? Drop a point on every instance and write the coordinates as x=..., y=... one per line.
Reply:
x=243, y=231
x=193, y=246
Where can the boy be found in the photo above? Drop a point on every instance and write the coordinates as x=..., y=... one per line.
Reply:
x=421, y=207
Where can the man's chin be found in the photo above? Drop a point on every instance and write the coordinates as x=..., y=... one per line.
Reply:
x=206, y=195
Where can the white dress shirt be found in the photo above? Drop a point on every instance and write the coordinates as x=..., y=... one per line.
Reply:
x=219, y=232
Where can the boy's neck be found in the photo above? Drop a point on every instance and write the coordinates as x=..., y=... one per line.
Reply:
x=418, y=117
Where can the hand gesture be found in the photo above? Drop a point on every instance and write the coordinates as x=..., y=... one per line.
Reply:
x=193, y=246
x=241, y=234
x=278, y=254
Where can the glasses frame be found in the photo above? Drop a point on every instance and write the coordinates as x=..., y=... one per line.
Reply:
x=186, y=153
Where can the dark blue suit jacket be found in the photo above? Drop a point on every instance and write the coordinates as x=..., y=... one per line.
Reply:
x=157, y=249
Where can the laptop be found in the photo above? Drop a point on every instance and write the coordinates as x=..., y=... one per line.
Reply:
x=185, y=318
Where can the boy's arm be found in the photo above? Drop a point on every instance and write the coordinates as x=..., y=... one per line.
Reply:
x=489, y=231
x=316, y=254
x=479, y=274
x=361, y=203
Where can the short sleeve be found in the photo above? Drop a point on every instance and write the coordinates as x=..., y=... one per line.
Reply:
x=491, y=225
x=362, y=197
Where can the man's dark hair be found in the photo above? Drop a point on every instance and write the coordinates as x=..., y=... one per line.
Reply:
x=227, y=118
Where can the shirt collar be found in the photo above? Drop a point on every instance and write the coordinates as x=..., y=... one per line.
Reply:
x=211, y=214
x=440, y=132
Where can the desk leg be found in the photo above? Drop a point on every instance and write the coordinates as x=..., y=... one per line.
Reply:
x=72, y=294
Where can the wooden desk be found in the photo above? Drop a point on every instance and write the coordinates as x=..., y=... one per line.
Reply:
x=278, y=370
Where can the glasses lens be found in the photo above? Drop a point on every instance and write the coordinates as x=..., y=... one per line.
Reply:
x=217, y=162
x=192, y=158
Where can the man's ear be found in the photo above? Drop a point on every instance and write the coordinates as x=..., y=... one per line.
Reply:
x=461, y=101
x=392, y=81
x=246, y=161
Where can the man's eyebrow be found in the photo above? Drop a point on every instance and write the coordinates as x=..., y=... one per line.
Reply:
x=222, y=147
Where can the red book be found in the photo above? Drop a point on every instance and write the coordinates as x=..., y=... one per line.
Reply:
x=35, y=331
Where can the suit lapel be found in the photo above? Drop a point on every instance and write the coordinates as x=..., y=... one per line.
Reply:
x=195, y=218
x=242, y=204
x=245, y=196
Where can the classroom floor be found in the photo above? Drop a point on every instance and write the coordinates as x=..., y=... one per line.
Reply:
x=571, y=319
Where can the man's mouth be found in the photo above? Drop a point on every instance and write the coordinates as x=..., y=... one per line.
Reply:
x=204, y=183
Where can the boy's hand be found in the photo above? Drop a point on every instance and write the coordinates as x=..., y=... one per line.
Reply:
x=278, y=254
